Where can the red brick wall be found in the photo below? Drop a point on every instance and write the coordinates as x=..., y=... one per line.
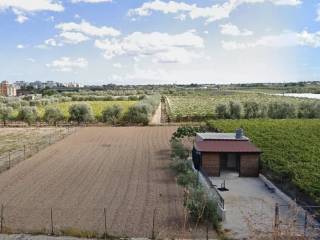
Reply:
x=211, y=164
x=249, y=165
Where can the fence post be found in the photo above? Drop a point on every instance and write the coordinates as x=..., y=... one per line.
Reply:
x=9, y=156
x=276, y=221
x=153, y=224
x=51, y=220
x=305, y=223
x=105, y=223
x=1, y=219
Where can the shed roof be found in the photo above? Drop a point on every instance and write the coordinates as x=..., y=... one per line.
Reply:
x=226, y=146
x=220, y=136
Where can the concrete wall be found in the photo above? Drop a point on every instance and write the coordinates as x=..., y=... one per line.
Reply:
x=211, y=164
x=249, y=165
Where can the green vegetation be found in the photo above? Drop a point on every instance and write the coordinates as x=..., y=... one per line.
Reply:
x=200, y=207
x=291, y=150
x=81, y=113
x=204, y=105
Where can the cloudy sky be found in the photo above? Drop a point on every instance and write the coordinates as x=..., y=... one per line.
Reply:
x=142, y=42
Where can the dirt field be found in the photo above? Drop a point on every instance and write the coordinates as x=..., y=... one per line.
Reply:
x=124, y=170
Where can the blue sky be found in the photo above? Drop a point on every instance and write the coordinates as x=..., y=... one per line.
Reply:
x=160, y=41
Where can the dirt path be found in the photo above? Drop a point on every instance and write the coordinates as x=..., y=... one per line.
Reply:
x=124, y=170
x=156, y=118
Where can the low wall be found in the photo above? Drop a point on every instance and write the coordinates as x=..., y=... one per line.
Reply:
x=212, y=193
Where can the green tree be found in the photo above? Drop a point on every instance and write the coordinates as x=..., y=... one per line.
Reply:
x=53, y=115
x=112, y=114
x=281, y=110
x=138, y=114
x=234, y=110
x=28, y=115
x=251, y=109
x=221, y=111
x=81, y=113
x=5, y=113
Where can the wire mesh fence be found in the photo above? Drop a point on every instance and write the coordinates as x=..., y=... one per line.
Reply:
x=96, y=223
x=11, y=158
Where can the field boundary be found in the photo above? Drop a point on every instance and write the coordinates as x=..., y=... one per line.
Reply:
x=11, y=158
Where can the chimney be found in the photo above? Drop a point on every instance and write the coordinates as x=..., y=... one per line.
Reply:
x=239, y=133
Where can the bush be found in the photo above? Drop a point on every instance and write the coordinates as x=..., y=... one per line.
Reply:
x=28, y=115
x=221, y=111
x=251, y=110
x=309, y=110
x=188, y=179
x=178, y=150
x=181, y=166
x=53, y=115
x=81, y=113
x=137, y=114
x=234, y=110
x=5, y=114
x=281, y=110
x=112, y=114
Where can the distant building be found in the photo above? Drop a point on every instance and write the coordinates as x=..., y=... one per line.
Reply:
x=8, y=90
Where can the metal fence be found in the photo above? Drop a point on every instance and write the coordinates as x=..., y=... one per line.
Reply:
x=11, y=158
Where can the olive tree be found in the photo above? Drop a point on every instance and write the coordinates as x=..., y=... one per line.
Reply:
x=221, y=111
x=251, y=109
x=234, y=110
x=138, y=114
x=81, y=113
x=5, y=113
x=112, y=114
x=28, y=115
x=53, y=115
x=281, y=110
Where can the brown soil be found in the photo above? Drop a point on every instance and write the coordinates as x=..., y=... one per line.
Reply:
x=124, y=170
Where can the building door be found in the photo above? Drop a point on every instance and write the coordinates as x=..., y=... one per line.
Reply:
x=230, y=162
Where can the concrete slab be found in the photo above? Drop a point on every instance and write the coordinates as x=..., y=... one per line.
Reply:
x=250, y=206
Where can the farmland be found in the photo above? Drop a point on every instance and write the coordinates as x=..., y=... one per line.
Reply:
x=97, y=106
x=201, y=104
x=124, y=170
x=291, y=150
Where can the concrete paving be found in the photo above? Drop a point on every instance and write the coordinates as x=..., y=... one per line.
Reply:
x=250, y=206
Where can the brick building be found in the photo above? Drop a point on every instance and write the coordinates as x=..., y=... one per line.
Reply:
x=7, y=89
x=218, y=152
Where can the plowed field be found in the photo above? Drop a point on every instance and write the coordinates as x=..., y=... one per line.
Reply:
x=124, y=170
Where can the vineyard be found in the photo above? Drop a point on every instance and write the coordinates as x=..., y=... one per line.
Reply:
x=201, y=106
x=291, y=150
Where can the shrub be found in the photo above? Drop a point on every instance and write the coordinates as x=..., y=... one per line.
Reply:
x=251, y=109
x=112, y=114
x=80, y=113
x=53, y=115
x=234, y=110
x=187, y=179
x=5, y=113
x=137, y=114
x=178, y=150
x=28, y=115
x=221, y=111
x=180, y=166
x=281, y=110
x=309, y=110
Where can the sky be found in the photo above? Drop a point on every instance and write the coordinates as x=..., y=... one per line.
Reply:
x=160, y=41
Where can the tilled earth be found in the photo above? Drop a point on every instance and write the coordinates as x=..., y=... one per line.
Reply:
x=122, y=170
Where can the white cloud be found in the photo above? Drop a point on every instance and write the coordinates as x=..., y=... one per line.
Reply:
x=309, y=39
x=212, y=13
x=91, y=1
x=22, y=7
x=162, y=47
x=286, y=39
x=73, y=37
x=87, y=29
x=66, y=64
x=20, y=46
x=233, y=30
